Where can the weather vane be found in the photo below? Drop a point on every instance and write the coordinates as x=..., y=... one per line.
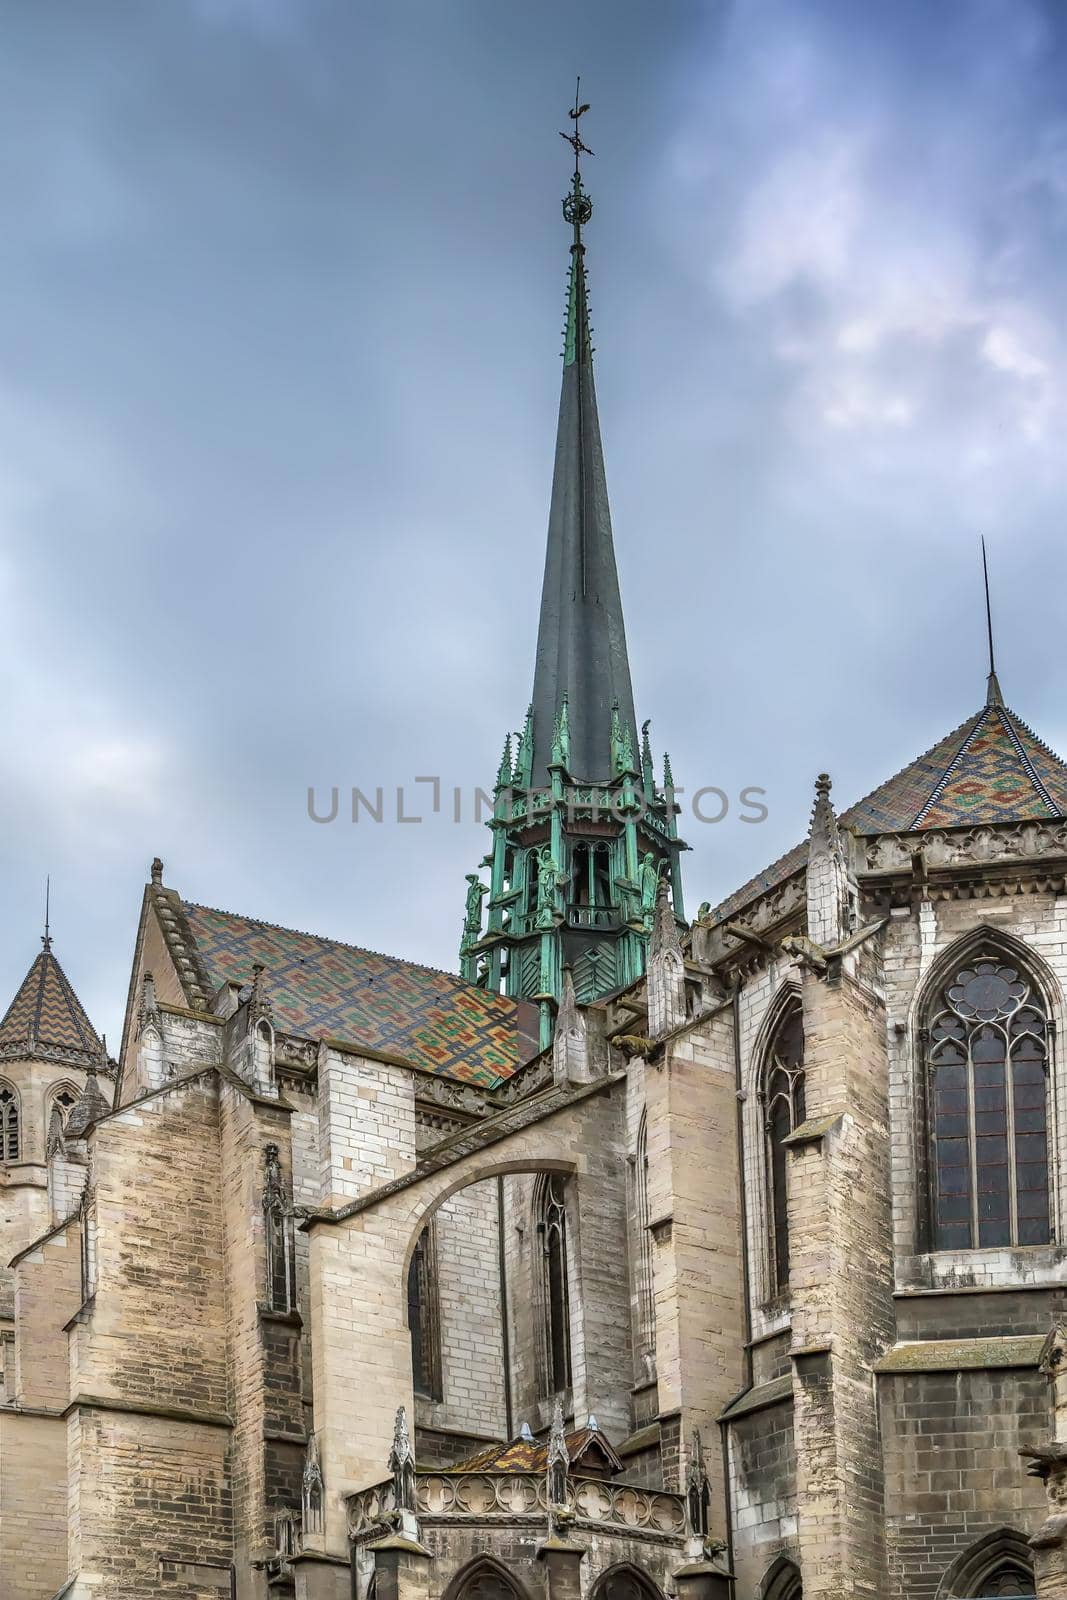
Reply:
x=574, y=139
x=577, y=207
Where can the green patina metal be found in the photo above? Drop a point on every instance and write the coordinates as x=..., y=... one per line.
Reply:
x=581, y=832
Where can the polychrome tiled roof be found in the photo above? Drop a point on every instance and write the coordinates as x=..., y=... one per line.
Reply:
x=322, y=989
x=47, y=1014
x=531, y=1455
x=993, y=768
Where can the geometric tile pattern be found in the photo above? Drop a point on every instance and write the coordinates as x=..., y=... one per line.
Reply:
x=992, y=778
x=993, y=768
x=47, y=1011
x=322, y=989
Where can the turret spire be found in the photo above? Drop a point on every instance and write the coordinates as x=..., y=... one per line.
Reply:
x=581, y=641
x=993, y=694
x=581, y=832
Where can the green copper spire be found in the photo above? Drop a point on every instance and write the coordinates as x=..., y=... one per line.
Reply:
x=581, y=639
x=581, y=834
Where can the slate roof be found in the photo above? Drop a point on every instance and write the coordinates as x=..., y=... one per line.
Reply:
x=992, y=768
x=47, y=1014
x=531, y=1455
x=323, y=989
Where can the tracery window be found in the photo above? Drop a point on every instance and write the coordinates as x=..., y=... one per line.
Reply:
x=782, y=1094
x=551, y=1214
x=9, y=1123
x=987, y=1047
x=61, y=1100
x=1008, y=1581
x=424, y=1318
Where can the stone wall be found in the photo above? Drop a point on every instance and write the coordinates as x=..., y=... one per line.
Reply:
x=33, y=1505
x=469, y=1300
x=763, y=1481
x=952, y=1470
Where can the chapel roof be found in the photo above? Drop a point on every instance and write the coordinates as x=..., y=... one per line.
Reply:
x=992, y=768
x=323, y=989
x=46, y=1015
x=528, y=1454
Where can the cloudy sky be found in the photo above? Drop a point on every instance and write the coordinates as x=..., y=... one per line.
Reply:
x=281, y=284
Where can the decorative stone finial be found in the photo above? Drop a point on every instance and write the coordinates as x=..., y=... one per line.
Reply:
x=526, y=1434
x=666, y=967
x=570, y=1043
x=831, y=890
x=402, y=1466
x=503, y=772
x=91, y=1104
x=157, y=873
x=312, y=1487
x=558, y=1468
x=696, y=1490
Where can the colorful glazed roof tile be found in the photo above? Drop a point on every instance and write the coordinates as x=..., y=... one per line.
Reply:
x=993, y=768
x=47, y=1015
x=322, y=989
x=586, y=1446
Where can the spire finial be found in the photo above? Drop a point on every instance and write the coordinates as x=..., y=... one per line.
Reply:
x=577, y=209
x=46, y=939
x=993, y=694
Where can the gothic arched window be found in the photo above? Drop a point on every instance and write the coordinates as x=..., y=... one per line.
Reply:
x=9, y=1123
x=999, y=1564
x=625, y=1583
x=424, y=1319
x=484, y=1579
x=987, y=1042
x=782, y=1582
x=551, y=1214
x=782, y=1094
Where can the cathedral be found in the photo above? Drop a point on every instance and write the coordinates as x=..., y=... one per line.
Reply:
x=642, y=1258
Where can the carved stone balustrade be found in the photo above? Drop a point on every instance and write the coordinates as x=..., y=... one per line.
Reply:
x=511, y=1499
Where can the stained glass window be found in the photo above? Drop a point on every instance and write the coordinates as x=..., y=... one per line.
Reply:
x=987, y=1055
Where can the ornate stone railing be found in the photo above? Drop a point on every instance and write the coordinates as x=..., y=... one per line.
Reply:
x=520, y=1497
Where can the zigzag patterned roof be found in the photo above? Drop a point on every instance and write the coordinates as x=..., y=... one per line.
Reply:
x=322, y=989
x=993, y=768
x=47, y=1014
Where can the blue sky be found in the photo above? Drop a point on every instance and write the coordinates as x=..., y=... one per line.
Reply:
x=281, y=289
